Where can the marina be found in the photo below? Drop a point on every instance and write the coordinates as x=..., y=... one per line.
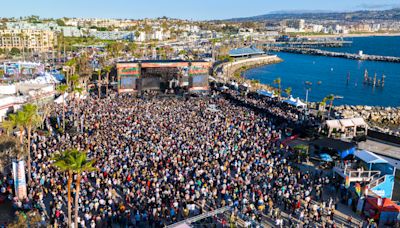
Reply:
x=323, y=75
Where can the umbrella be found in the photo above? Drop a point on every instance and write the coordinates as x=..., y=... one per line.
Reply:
x=326, y=157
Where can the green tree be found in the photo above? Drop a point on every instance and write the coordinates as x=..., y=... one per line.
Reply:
x=63, y=161
x=15, y=51
x=79, y=163
x=288, y=91
x=32, y=120
x=60, y=22
x=278, y=82
x=330, y=98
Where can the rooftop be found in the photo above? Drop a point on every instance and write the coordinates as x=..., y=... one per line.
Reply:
x=245, y=51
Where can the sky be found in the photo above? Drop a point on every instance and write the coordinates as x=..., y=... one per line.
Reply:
x=184, y=9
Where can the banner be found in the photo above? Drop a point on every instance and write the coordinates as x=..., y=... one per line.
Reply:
x=19, y=179
x=347, y=182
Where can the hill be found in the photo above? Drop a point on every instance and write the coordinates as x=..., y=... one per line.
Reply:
x=392, y=14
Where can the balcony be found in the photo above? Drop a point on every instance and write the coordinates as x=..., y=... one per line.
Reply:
x=355, y=173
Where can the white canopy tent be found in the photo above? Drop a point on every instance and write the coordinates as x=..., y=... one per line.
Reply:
x=61, y=98
x=295, y=102
x=265, y=93
x=347, y=126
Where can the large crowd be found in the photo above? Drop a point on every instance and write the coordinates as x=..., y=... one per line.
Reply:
x=160, y=160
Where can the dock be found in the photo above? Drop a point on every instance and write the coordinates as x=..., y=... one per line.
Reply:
x=312, y=51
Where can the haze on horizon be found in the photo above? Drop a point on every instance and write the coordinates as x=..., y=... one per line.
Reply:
x=183, y=9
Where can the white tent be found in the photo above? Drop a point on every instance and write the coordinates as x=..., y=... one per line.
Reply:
x=265, y=93
x=295, y=102
x=300, y=104
x=61, y=98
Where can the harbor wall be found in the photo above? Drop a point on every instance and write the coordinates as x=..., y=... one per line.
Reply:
x=311, y=51
x=230, y=68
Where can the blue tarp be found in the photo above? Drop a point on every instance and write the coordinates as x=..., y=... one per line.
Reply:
x=326, y=157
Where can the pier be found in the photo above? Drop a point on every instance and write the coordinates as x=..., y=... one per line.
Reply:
x=311, y=51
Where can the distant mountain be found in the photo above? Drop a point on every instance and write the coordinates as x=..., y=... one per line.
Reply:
x=392, y=14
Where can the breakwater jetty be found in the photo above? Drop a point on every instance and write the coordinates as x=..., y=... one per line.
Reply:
x=228, y=69
x=312, y=51
x=385, y=119
x=306, y=44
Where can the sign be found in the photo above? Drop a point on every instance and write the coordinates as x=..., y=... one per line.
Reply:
x=128, y=73
x=347, y=182
x=19, y=179
x=165, y=64
x=200, y=68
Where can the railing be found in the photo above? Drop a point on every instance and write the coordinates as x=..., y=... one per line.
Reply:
x=201, y=216
x=362, y=174
x=352, y=172
x=377, y=182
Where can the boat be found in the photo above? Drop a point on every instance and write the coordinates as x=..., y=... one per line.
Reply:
x=308, y=83
x=319, y=82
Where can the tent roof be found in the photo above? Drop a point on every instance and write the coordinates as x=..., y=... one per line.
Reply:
x=245, y=51
x=333, y=124
x=370, y=157
x=335, y=144
x=387, y=204
x=358, y=121
x=346, y=123
x=265, y=93
x=300, y=103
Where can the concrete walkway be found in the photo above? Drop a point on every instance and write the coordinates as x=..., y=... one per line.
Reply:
x=382, y=148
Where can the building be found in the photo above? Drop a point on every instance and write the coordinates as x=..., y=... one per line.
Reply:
x=34, y=40
x=245, y=52
x=295, y=25
x=369, y=170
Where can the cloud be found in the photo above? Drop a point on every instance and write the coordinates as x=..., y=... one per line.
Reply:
x=378, y=6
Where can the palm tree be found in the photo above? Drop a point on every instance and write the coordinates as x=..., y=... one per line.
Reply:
x=99, y=83
x=71, y=68
x=330, y=98
x=278, y=82
x=79, y=163
x=63, y=162
x=288, y=91
x=62, y=89
x=32, y=120
x=79, y=91
x=107, y=69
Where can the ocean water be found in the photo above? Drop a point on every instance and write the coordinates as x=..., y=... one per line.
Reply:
x=296, y=69
x=373, y=45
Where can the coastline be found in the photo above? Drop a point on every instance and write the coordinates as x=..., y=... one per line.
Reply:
x=350, y=35
x=380, y=118
x=235, y=70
